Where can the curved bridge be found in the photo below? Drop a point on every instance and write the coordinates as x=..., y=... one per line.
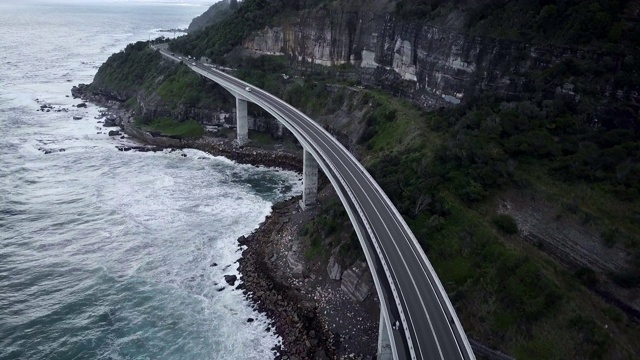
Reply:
x=417, y=320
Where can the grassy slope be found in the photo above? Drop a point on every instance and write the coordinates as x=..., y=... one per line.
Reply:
x=168, y=126
x=140, y=74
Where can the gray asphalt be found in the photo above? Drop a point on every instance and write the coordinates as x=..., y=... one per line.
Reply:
x=429, y=326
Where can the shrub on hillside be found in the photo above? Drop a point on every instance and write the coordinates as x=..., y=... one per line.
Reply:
x=506, y=223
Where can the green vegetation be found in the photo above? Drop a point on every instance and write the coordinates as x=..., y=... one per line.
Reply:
x=134, y=68
x=568, y=22
x=170, y=127
x=185, y=88
x=216, y=13
x=506, y=223
x=219, y=39
x=140, y=74
x=328, y=230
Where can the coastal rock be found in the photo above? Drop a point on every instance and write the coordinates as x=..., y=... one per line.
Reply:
x=230, y=279
x=50, y=151
x=110, y=122
x=357, y=281
x=81, y=105
x=333, y=267
x=114, y=133
x=242, y=240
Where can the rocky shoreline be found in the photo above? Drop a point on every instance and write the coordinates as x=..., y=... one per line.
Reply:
x=123, y=118
x=294, y=316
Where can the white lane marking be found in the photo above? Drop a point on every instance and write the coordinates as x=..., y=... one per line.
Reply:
x=415, y=252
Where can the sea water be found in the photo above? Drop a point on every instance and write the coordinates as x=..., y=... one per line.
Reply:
x=107, y=254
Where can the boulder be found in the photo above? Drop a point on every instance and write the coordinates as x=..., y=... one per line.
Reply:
x=333, y=267
x=230, y=279
x=242, y=240
x=81, y=105
x=110, y=122
x=357, y=281
x=114, y=133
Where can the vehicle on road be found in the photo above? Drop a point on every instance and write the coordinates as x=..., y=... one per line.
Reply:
x=248, y=89
x=194, y=64
x=172, y=53
x=180, y=57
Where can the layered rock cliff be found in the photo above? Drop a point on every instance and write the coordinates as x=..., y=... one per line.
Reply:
x=434, y=66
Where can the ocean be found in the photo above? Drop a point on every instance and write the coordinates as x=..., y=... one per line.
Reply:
x=107, y=254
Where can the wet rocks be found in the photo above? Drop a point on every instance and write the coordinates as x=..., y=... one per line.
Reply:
x=114, y=133
x=51, y=151
x=110, y=122
x=230, y=279
x=138, y=148
x=242, y=240
x=294, y=316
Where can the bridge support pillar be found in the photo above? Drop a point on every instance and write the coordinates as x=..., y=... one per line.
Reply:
x=280, y=129
x=241, y=121
x=310, y=181
x=384, y=344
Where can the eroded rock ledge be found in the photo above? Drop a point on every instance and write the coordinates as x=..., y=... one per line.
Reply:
x=294, y=316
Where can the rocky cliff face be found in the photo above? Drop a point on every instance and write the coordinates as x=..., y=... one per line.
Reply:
x=432, y=66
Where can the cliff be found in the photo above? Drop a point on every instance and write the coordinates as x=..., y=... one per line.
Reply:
x=442, y=66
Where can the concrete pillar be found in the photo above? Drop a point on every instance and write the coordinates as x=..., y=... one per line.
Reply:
x=310, y=179
x=384, y=344
x=241, y=121
x=280, y=129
